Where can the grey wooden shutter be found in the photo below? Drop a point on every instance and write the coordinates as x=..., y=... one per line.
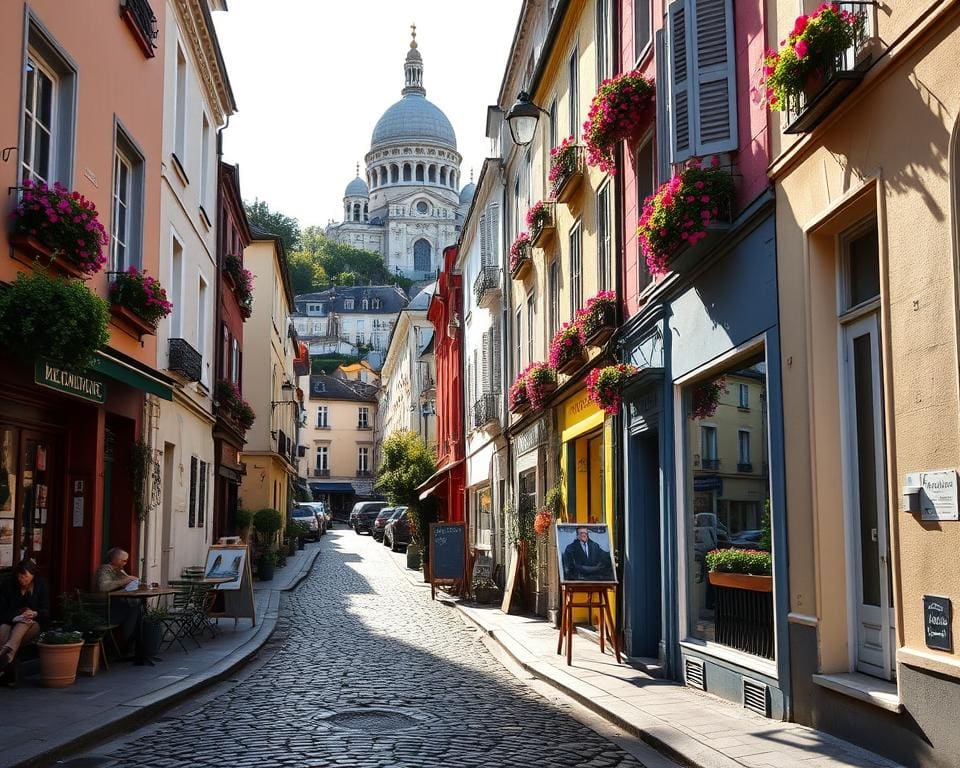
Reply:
x=484, y=242
x=681, y=65
x=496, y=352
x=487, y=355
x=714, y=86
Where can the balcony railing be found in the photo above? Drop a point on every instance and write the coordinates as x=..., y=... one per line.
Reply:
x=185, y=360
x=710, y=463
x=140, y=18
x=486, y=288
x=744, y=466
x=363, y=473
x=486, y=410
x=806, y=110
x=320, y=473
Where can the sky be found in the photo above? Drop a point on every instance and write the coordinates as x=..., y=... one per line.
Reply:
x=312, y=77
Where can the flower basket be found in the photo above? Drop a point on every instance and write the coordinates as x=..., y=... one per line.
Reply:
x=566, y=169
x=138, y=301
x=567, y=351
x=242, y=280
x=598, y=319
x=605, y=386
x=706, y=398
x=622, y=106
x=59, y=225
x=520, y=258
x=811, y=53
x=540, y=221
x=540, y=382
x=519, y=401
x=679, y=213
x=543, y=522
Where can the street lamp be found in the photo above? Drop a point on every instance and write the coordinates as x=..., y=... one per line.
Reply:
x=522, y=119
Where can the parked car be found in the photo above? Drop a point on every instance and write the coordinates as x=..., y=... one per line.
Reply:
x=397, y=511
x=748, y=539
x=396, y=533
x=376, y=527
x=317, y=509
x=366, y=512
x=304, y=514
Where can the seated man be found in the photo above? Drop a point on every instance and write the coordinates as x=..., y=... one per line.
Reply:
x=24, y=609
x=111, y=578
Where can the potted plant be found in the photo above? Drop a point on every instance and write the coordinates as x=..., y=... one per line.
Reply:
x=138, y=300
x=540, y=381
x=518, y=399
x=567, y=352
x=60, y=227
x=520, y=261
x=267, y=522
x=740, y=569
x=299, y=532
x=706, y=398
x=242, y=280
x=59, y=651
x=485, y=590
x=266, y=565
x=89, y=625
x=564, y=167
x=678, y=214
x=44, y=316
x=539, y=220
x=623, y=104
x=598, y=319
x=244, y=521
x=810, y=54
x=605, y=386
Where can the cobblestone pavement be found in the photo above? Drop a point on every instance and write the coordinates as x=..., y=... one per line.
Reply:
x=367, y=672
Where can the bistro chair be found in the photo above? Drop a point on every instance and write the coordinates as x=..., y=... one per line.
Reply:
x=98, y=605
x=191, y=573
x=180, y=616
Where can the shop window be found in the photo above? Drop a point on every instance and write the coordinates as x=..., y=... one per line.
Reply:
x=727, y=503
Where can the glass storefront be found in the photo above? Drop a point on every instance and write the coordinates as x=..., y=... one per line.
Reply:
x=727, y=509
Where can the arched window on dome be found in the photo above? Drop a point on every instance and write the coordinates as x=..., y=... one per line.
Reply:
x=356, y=211
x=419, y=171
x=432, y=174
x=421, y=256
x=407, y=173
x=366, y=214
x=384, y=176
x=394, y=174
x=443, y=176
x=453, y=179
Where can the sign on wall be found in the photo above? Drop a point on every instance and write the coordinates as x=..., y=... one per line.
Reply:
x=82, y=385
x=938, y=494
x=937, y=618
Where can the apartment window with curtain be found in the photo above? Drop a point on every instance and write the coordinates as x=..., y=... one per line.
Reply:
x=126, y=231
x=323, y=458
x=323, y=414
x=743, y=451
x=553, y=123
x=363, y=459
x=235, y=361
x=176, y=288
x=604, y=239
x=553, y=297
x=192, y=500
x=202, y=324
x=518, y=348
x=574, y=93
x=363, y=417
x=204, y=162
x=576, y=269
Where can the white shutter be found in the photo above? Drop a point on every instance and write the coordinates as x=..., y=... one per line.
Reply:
x=493, y=233
x=486, y=362
x=484, y=242
x=681, y=66
x=495, y=357
x=714, y=86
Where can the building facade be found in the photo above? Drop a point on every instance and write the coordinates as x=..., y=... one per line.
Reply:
x=408, y=208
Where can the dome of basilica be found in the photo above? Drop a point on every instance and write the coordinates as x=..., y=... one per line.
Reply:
x=413, y=119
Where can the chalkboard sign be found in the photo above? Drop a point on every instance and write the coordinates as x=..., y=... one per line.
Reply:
x=483, y=567
x=937, y=617
x=448, y=552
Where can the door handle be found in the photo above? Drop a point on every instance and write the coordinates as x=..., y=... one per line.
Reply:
x=873, y=534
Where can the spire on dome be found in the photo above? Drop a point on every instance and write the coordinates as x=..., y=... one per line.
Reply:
x=413, y=67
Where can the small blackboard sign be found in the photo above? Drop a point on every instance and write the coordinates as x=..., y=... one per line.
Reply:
x=483, y=567
x=448, y=552
x=937, y=618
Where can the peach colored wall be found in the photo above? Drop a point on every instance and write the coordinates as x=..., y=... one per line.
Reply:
x=113, y=78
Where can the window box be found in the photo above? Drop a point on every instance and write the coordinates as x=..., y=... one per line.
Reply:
x=520, y=407
x=710, y=463
x=142, y=22
x=598, y=319
x=35, y=254
x=746, y=581
x=807, y=110
x=567, y=351
x=130, y=322
x=521, y=268
x=541, y=222
x=566, y=170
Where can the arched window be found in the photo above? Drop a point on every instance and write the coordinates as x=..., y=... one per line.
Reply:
x=394, y=174
x=366, y=213
x=419, y=172
x=406, y=172
x=356, y=211
x=421, y=256
x=432, y=174
x=443, y=176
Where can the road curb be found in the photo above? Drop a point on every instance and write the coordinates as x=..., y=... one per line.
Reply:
x=149, y=706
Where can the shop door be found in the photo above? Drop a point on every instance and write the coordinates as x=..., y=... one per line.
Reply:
x=868, y=547
x=39, y=491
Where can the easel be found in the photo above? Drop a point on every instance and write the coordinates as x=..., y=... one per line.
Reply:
x=237, y=601
x=601, y=602
x=518, y=570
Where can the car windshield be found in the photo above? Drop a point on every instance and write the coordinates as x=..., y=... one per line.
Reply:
x=303, y=512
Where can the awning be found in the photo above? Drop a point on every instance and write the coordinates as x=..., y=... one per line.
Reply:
x=132, y=373
x=332, y=487
x=437, y=479
x=432, y=488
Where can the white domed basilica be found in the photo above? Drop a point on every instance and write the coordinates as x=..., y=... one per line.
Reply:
x=408, y=209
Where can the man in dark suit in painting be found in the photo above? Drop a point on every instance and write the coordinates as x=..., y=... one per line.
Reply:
x=585, y=560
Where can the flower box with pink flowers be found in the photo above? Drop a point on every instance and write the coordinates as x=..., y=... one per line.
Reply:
x=566, y=169
x=598, y=319
x=520, y=258
x=567, y=351
x=137, y=301
x=622, y=107
x=540, y=381
x=684, y=216
x=242, y=283
x=605, y=386
x=540, y=221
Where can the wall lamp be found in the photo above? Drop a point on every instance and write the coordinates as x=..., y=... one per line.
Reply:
x=523, y=118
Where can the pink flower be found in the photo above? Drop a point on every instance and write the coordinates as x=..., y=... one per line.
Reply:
x=800, y=48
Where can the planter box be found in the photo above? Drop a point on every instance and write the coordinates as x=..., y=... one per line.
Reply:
x=547, y=389
x=522, y=269
x=130, y=322
x=741, y=581
x=572, y=364
x=688, y=258
x=33, y=253
x=566, y=185
x=520, y=408
x=89, y=659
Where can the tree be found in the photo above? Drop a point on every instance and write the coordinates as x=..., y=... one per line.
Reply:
x=405, y=463
x=306, y=274
x=274, y=222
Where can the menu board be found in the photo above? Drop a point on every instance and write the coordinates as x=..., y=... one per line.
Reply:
x=937, y=619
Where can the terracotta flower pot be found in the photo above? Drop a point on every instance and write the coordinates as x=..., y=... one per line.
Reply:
x=58, y=663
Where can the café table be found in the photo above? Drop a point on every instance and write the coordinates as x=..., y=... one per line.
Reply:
x=142, y=595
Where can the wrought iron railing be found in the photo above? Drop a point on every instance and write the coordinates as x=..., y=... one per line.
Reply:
x=139, y=15
x=321, y=472
x=710, y=463
x=744, y=466
x=486, y=410
x=363, y=473
x=487, y=283
x=185, y=360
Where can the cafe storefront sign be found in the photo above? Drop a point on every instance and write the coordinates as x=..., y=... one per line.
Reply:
x=82, y=385
x=938, y=493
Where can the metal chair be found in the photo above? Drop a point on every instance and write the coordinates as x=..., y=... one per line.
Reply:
x=98, y=605
x=180, y=615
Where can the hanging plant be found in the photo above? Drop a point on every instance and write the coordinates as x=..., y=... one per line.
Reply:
x=48, y=316
x=810, y=51
x=567, y=345
x=621, y=107
x=679, y=212
x=706, y=398
x=540, y=381
x=542, y=522
x=605, y=386
x=142, y=294
x=242, y=282
x=519, y=252
x=63, y=221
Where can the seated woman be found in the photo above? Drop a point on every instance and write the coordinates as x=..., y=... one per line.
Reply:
x=112, y=578
x=24, y=609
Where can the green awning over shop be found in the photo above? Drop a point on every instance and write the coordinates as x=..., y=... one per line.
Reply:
x=133, y=374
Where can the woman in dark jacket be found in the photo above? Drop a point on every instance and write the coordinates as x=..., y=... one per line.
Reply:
x=24, y=609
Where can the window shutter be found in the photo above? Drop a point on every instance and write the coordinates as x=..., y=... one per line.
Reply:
x=681, y=65
x=192, y=501
x=202, y=497
x=493, y=233
x=484, y=242
x=495, y=353
x=714, y=87
x=487, y=354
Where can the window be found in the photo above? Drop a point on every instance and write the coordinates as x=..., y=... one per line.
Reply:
x=376, y=303
x=554, y=139
x=323, y=458
x=603, y=40
x=126, y=232
x=202, y=323
x=743, y=450
x=202, y=496
x=180, y=109
x=348, y=305
x=646, y=185
x=518, y=349
x=702, y=85
x=363, y=459
x=641, y=27
x=322, y=416
x=235, y=361
x=205, y=162
x=422, y=207
x=743, y=401
x=176, y=288
x=708, y=446
x=604, y=239
x=363, y=417
x=553, y=294
x=574, y=95
x=192, y=500
x=531, y=323
x=576, y=269
x=421, y=256
x=361, y=323
x=48, y=120
x=365, y=304
x=862, y=268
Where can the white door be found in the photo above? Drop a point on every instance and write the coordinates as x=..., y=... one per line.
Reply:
x=868, y=547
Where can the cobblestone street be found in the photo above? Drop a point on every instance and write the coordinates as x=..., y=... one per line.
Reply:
x=364, y=670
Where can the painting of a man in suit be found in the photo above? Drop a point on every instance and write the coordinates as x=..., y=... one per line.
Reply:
x=584, y=559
